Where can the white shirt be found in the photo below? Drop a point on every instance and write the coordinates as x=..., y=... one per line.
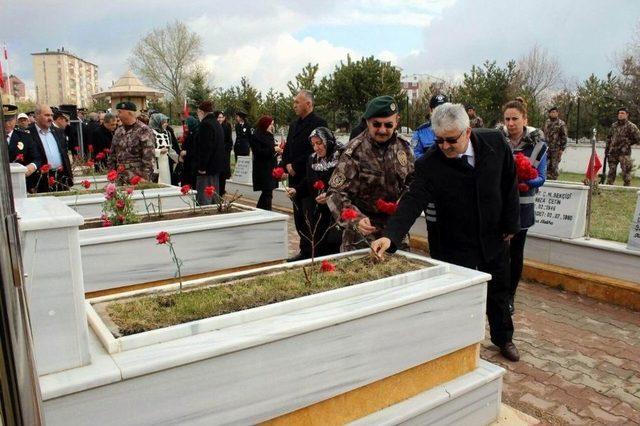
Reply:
x=9, y=137
x=471, y=157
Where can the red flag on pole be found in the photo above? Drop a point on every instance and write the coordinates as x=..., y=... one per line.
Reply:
x=1, y=78
x=594, y=167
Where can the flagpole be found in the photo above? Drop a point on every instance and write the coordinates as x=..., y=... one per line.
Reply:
x=591, y=184
x=6, y=58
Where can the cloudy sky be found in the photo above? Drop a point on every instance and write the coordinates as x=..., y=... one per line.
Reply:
x=271, y=41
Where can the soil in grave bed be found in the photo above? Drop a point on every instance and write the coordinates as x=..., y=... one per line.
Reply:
x=140, y=186
x=144, y=313
x=170, y=215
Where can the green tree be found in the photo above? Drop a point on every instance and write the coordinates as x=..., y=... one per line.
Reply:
x=248, y=99
x=198, y=89
x=305, y=79
x=598, y=103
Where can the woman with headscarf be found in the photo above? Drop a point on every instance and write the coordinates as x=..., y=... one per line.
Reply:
x=188, y=146
x=320, y=165
x=264, y=151
x=159, y=122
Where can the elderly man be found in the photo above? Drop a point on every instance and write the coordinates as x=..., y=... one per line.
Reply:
x=294, y=160
x=375, y=168
x=52, y=148
x=556, y=132
x=622, y=135
x=468, y=187
x=22, y=149
x=102, y=138
x=133, y=145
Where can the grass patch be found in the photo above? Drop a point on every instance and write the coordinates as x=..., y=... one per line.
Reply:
x=82, y=191
x=612, y=213
x=579, y=177
x=152, y=312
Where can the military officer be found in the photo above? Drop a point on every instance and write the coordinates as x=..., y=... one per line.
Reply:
x=623, y=134
x=556, y=132
x=375, y=167
x=474, y=119
x=22, y=150
x=133, y=145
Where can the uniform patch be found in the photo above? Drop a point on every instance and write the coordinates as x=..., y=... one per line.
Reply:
x=337, y=180
x=392, y=107
x=20, y=146
x=402, y=158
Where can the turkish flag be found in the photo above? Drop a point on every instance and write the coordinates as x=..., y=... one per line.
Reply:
x=594, y=166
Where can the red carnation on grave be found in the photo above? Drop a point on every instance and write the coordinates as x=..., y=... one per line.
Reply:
x=523, y=187
x=121, y=168
x=86, y=184
x=163, y=237
x=120, y=204
x=52, y=181
x=76, y=148
x=90, y=163
x=348, y=214
x=129, y=190
x=277, y=173
x=90, y=148
x=135, y=180
x=209, y=191
x=121, y=218
x=20, y=157
x=45, y=168
x=386, y=207
x=185, y=189
x=106, y=151
x=112, y=175
x=99, y=156
x=318, y=185
x=327, y=266
x=106, y=223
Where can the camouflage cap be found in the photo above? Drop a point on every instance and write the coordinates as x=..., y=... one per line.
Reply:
x=9, y=111
x=127, y=105
x=382, y=106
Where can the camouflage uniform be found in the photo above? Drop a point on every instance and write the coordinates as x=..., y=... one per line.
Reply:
x=621, y=137
x=476, y=122
x=368, y=171
x=556, y=134
x=135, y=149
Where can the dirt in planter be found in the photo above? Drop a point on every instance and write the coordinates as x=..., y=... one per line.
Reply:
x=144, y=313
x=140, y=186
x=169, y=215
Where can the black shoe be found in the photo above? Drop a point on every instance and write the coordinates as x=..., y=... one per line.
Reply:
x=299, y=256
x=510, y=352
x=511, y=304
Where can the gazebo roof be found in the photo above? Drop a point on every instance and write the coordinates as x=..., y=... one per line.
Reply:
x=129, y=85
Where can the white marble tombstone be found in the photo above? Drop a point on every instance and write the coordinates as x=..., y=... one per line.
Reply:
x=18, y=180
x=634, y=229
x=54, y=283
x=561, y=210
x=242, y=172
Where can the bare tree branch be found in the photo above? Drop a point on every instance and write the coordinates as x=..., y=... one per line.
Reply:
x=538, y=72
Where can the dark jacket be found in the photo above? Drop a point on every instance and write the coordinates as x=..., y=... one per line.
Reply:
x=66, y=175
x=243, y=139
x=22, y=143
x=469, y=209
x=209, y=149
x=360, y=127
x=228, y=147
x=101, y=139
x=264, y=160
x=298, y=148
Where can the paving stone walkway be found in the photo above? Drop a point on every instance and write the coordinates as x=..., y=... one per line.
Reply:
x=580, y=358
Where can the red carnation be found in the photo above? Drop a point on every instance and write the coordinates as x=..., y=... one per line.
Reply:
x=52, y=181
x=386, y=207
x=106, y=223
x=20, y=157
x=86, y=184
x=45, y=168
x=327, y=266
x=277, y=173
x=523, y=187
x=318, y=185
x=120, y=204
x=76, y=148
x=121, y=168
x=209, y=191
x=121, y=218
x=90, y=163
x=106, y=151
x=100, y=156
x=185, y=189
x=129, y=190
x=135, y=180
x=112, y=175
x=90, y=148
x=348, y=214
x=163, y=237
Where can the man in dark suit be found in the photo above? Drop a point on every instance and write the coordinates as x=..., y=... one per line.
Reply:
x=466, y=183
x=209, y=152
x=294, y=160
x=52, y=148
x=22, y=150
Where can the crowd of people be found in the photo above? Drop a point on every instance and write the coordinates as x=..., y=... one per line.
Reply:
x=476, y=186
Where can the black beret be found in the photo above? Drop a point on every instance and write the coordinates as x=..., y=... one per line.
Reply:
x=553, y=108
x=127, y=105
x=9, y=111
x=438, y=99
x=382, y=106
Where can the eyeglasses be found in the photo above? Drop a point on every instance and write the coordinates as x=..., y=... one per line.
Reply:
x=440, y=141
x=378, y=124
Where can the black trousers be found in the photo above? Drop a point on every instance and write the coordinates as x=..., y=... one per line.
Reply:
x=223, y=186
x=265, y=199
x=516, y=260
x=301, y=211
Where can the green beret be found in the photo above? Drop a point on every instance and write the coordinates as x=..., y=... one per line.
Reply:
x=382, y=106
x=127, y=105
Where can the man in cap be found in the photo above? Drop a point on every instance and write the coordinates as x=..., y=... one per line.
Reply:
x=475, y=121
x=623, y=134
x=23, y=121
x=243, y=134
x=21, y=147
x=53, y=150
x=374, y=169
x=555, y=130
x=423, y=137
x=133, y=145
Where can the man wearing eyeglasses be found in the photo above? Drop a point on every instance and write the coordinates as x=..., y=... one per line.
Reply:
x=469, y=181
x=376, y=166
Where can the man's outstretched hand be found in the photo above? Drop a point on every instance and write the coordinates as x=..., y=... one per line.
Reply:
x=380, y=246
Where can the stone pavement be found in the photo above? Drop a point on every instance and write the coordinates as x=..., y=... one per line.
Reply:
x=580, y=358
